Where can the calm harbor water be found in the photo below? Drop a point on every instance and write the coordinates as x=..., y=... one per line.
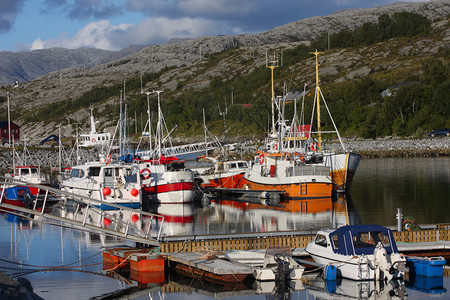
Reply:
x=420, y=186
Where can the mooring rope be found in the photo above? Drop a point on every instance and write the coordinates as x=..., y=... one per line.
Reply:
x=55, y=267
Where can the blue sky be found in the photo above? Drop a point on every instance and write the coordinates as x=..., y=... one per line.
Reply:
x=115, y=24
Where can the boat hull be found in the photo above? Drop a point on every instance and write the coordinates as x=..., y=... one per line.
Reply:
x=351, y=267
x=303, y=190
x=236, y=181
x=171, y=193
x=343, y=168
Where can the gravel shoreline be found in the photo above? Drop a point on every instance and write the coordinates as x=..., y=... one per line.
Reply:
x=395, y=147
x=378, y=148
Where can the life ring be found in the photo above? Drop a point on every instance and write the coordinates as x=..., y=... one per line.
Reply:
x=261, y=158
x=145, y=173
x=314, y=147
x=108, y=159
x=93, y=140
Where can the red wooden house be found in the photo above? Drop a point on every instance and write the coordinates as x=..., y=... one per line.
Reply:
x=4, y=132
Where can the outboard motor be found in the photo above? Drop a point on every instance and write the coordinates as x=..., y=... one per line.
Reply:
x=382, y=265
x=387, y=266
x=282, y=271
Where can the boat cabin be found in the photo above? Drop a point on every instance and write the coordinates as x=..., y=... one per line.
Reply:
x=110, y=175
x=357, y=240
x=233, y=166
x=26, y=170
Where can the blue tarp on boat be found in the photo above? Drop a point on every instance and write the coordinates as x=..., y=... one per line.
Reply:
x=362, y=239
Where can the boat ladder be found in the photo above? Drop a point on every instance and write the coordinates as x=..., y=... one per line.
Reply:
x=363, y=267
x=83, y=213
x=303, y=190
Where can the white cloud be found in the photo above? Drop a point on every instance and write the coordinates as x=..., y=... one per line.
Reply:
x=94, y=34
x=217, y=7
x=104, y=35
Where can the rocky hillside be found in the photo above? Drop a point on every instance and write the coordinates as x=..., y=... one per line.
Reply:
x=26, y=66
x=192, y=71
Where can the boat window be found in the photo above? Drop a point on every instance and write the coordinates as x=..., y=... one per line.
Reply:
x=77, y=173
x=233, y=165
x=24, y=172
x=370, y=239
x=34, y=171
x=242, y=165
x=384, y=239
x=335, y=241
x=321, y=240
x=108, y=172
x=94, y=171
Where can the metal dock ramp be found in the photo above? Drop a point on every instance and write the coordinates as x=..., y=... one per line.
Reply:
x=79, y=212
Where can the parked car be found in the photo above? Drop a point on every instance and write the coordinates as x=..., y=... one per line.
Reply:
x=440, y=131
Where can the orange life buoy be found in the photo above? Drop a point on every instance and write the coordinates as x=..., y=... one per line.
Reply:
x=261, y=158
x=145, y=173
x=93, y=140
x=314, y=147
x=108, y=159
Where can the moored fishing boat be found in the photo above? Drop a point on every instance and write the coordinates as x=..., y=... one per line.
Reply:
x=105, y=182
x=359, y=252
x=94, y=138
x=20, y=196
x=166, y=180
x=31, y=174
x=295, y=162
x=227, y=174
x=286, y=172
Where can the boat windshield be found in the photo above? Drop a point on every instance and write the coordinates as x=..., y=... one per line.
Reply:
x=242, y=164
x=366, y=241
x=24, y=171
x=362, y=240
x=77, y=173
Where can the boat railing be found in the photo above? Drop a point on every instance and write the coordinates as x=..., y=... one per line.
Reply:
x=308, y=170
x=123, y=222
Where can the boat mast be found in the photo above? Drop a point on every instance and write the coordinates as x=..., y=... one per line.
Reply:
x=318, y=92
x=149, y=122
x=93, y=129
x=272, y=65
x=159, y=128
x=120, y=125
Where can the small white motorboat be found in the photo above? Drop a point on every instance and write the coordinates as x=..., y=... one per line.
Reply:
x=359, y=252
x=274, y=264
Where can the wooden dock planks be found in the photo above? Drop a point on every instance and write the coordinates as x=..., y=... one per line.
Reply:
x=228, y=242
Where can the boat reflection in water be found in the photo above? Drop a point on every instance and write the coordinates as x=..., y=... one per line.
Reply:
x=178, y=219
x=352, y=289
x=238, y=216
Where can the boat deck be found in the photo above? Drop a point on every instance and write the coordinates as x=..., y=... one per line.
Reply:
x=200, y=265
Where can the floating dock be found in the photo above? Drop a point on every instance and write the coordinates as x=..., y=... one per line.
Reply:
x=207, y=267
x=200, y=257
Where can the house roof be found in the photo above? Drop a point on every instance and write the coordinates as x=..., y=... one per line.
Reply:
x=4, y=124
